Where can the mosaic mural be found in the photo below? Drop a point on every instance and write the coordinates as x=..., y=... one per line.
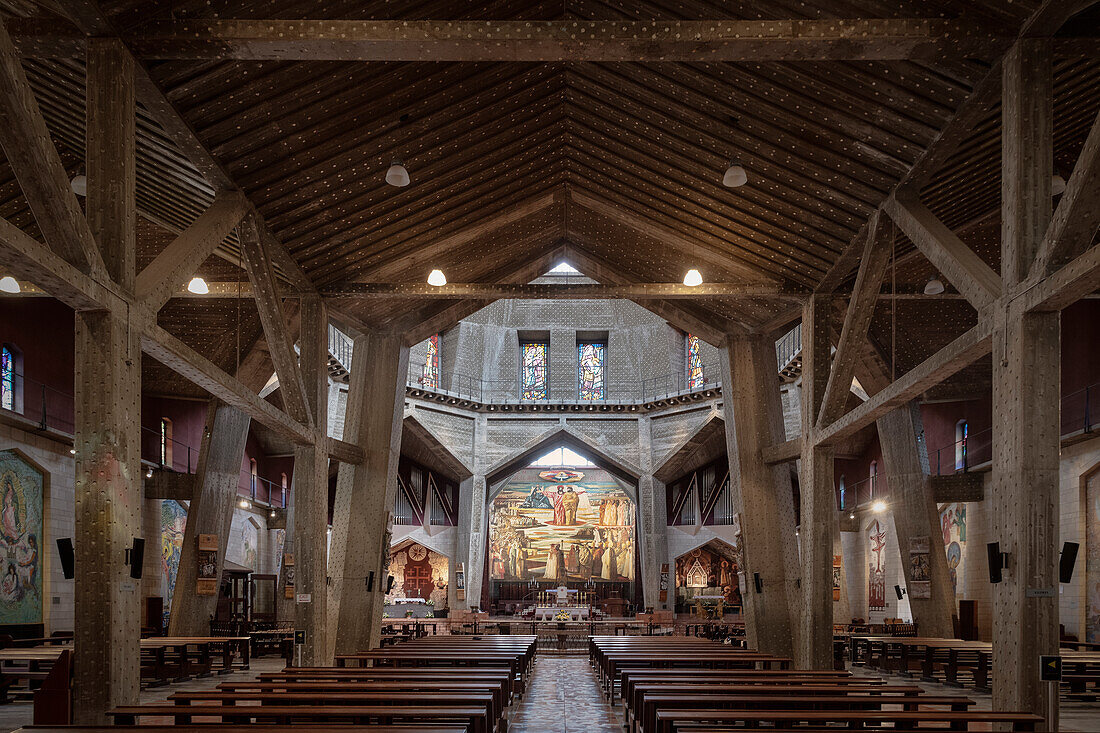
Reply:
x=704, y=571
x=561, y=524
x=173, y=520
x=876, y=576
x=21, y=486
x=953, y=525
x=419, y=572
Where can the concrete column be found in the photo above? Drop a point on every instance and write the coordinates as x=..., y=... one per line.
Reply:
x=479, y=492
x=311, y=490
x=814, y=649
x=107, y=404
x=762, y=494
x=153, y=582
x=1026, y=399
x=108, y=514
x=462, y=543
x=365, y=493
x=916, y=516
x=210, y=512
x=653, y=539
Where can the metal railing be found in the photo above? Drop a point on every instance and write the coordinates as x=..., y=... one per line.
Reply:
x=273, y=490
x=789, y=346
x=183, y=458
x=478, y=389
x=340, y=346
x=50, y=408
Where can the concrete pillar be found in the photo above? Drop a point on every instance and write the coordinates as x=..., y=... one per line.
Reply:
x=653, y=538
x=365, y=493
x=108, y=514
x=210, y=512
x=153, y=582
x=1026, y=399
x=107, y=404
x=311, y=490
x=814, y=649
x=478, y=495
x=916, y=516
x=762, y=494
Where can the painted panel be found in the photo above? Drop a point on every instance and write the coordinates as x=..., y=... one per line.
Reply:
x=876, y=576
x=21, y=490
x=173, y=521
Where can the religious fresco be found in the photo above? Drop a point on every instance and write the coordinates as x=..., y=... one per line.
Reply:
x=560, y=524
x=876, y=576
x=250, y=545
x=705, y=571
x=1092, y=558
x=173, y=521
x=953, y=526
x=419, y=572
x=21, y=490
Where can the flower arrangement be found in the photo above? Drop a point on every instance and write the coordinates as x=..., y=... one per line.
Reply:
x=429, y=615
x=430, y=602
x=561, y=615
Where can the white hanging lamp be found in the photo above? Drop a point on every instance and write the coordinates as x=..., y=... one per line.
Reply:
x=397, y=175
x=693, y=278
x=437, y=278
x=198, y=286
x=735, y=176
x=9, y=284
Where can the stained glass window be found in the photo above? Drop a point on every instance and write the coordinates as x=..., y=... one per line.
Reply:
x=534, y=370
x=7, y=376
x=431, y=364
x=591, y=360
x=694, y=353
x=165, y=441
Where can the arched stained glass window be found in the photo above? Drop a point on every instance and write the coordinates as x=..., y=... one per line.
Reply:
x=694, y=356
x=534, y=370
x=592, y=363
x=430, y=379
x=7, y=377
x=165, y=442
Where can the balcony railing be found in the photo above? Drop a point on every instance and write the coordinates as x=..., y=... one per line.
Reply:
x=492, y=391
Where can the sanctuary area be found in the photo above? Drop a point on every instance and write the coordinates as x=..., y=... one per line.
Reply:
x=675, y=366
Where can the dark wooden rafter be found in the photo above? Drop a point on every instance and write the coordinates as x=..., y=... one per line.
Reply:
x=633, y=291
x=163, y=277
x=861, y=307
x=34, y=159
x=257, y=263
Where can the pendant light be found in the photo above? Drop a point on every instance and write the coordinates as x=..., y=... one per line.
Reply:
x=397, y=175
x=437, y=278
x=79, y=185
x=735, y=175
x=9, y=284
x=933, y=287
x=1057, y=185
x=693, y=278
x=198, y=286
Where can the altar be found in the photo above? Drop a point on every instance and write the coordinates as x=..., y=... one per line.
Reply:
x=563, y=604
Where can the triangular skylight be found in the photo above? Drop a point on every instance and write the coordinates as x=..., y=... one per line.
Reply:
x=562, y=456
x=565, y=269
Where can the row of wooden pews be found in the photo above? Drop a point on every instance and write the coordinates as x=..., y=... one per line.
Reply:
x=957, y=662
x=678, y=685
x=434, y=683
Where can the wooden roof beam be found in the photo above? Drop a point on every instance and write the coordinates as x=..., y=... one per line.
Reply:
x=37, y=166
x=950, y=255
x=963, y=351
x=861, y=307
x=168, y=272
x=257, y=263
x=25, y=258
x=564, y=40
x=1078, y=214
x=495, y=291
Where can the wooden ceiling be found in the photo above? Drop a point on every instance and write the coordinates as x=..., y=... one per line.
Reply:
x=620, y=162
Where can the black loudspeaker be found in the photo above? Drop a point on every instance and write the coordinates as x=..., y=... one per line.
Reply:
x=996, y=561
x=389, y=584
x=899, y=591
x=756, y=581
x=370, y=581
x=65, y=550
x=1069, y=559
x=137, y=557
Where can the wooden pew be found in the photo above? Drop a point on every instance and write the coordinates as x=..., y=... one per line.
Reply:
x=670, y=721
x=500, y=677
x=474, y=716
x=301, y=728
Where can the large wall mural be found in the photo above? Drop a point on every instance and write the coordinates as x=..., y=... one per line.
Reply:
x=953, y=525
x=876, y=575
x=703, y=571
x=173, y=520
x=21, y=490
x=419, y=572
x=559, y=524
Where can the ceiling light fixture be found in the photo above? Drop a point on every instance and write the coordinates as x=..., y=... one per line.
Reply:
x=9, y=284
x=198, y=286
x=397, y=175
x=79, y=185
x=693, y=278
x=244, y=504
x=933, y=287
x=878, y=507
x=272, y=513
x=735, y=176
x=852, y=516
x=1057, y=185
x=437, y=278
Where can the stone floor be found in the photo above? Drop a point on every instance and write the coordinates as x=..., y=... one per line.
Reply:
x=563, y=697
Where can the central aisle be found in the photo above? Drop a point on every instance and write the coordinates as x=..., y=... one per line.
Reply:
x=564, y=696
